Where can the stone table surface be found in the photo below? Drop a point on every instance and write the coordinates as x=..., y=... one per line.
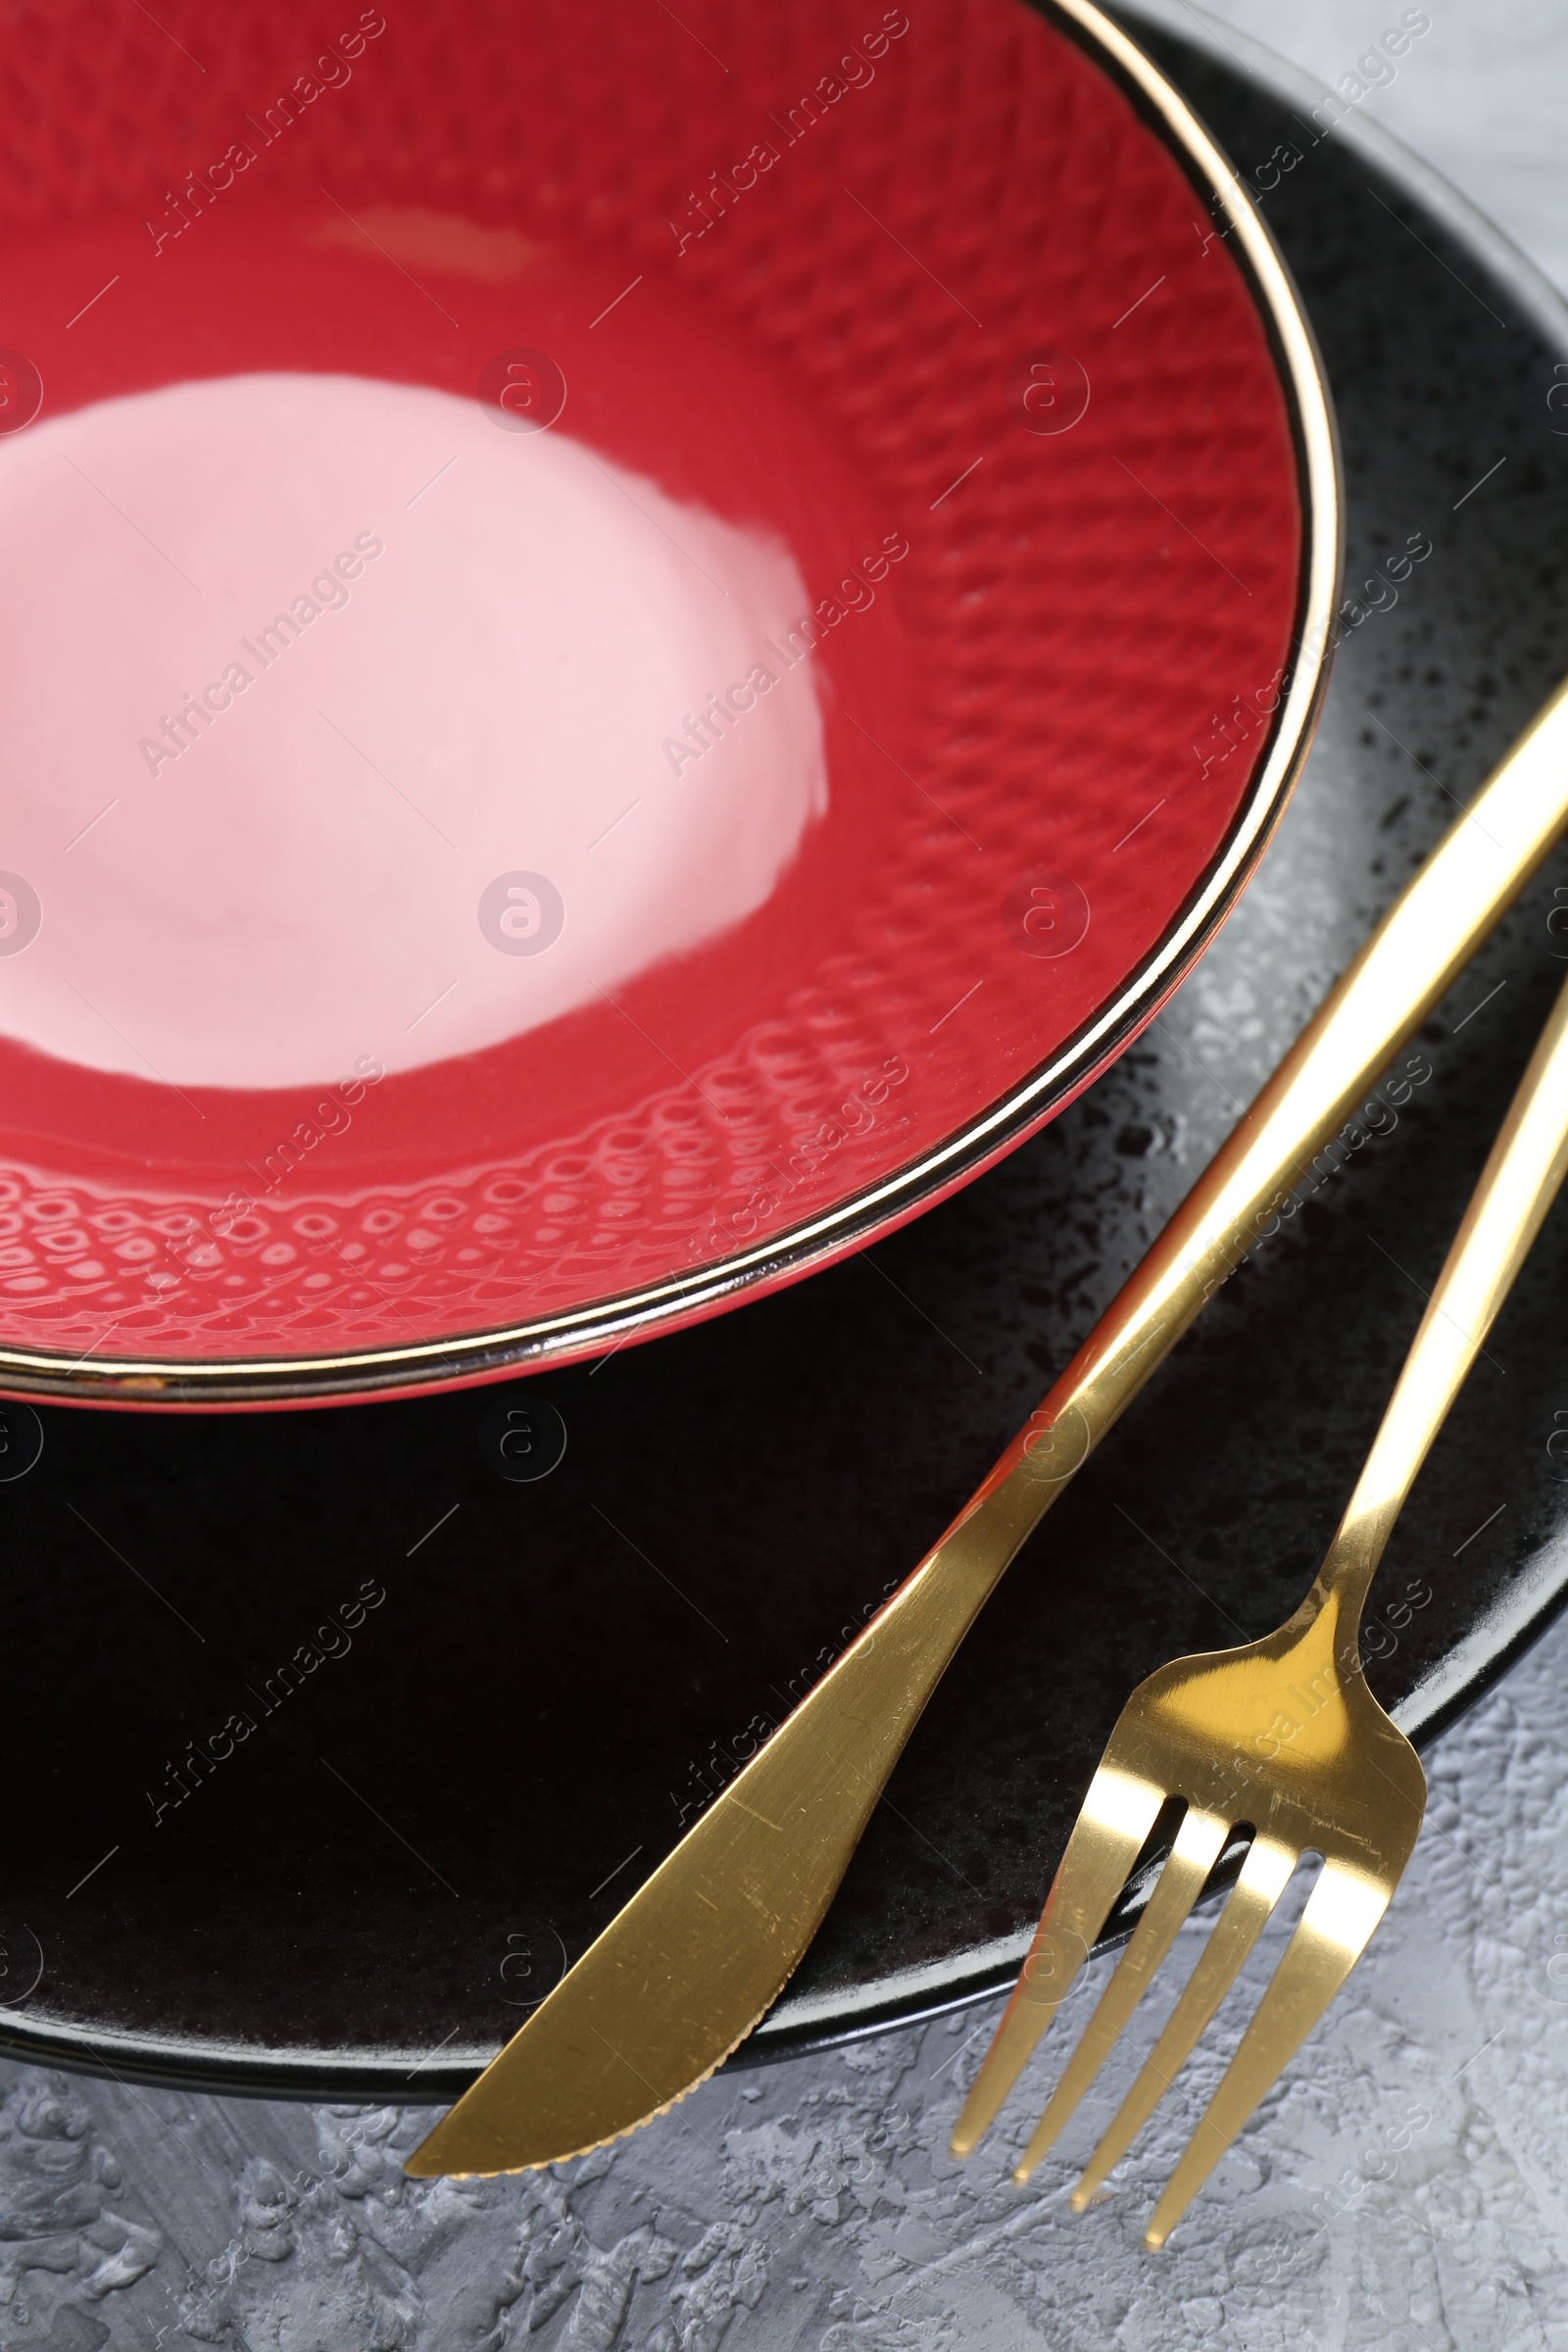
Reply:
x=1405, y=2184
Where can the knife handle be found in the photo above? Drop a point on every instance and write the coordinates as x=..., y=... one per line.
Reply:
x=1428, y=933
x=883, y=1679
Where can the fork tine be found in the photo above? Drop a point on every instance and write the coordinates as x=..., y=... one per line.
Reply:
x=1344, y=1907
x=1116, y=1817
x=1263, y=1878
x=1193, y=1856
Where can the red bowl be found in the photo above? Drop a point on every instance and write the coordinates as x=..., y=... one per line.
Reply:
x=632, y=645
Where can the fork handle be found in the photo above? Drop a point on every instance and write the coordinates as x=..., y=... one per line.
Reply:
x=1417, y=950
x=1518, y=1184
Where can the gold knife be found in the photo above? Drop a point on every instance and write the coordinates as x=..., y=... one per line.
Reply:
x=703, y=1950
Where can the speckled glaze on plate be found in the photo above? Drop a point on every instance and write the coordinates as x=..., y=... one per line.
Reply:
x=450, y=1791
x=617, y=675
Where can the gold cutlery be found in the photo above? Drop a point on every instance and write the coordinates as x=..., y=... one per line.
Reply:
x=703, y=1949
x=1281, y=1734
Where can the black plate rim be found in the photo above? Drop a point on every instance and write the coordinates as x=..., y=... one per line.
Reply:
x=1498, y=1640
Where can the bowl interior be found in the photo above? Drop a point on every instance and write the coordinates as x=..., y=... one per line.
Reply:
x=615, y=628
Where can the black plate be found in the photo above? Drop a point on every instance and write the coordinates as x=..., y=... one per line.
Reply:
x=506, y=1694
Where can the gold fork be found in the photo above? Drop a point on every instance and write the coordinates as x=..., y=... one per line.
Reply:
x=1281, y=1737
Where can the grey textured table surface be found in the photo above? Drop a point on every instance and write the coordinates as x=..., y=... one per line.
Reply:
x=1402, y=2186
